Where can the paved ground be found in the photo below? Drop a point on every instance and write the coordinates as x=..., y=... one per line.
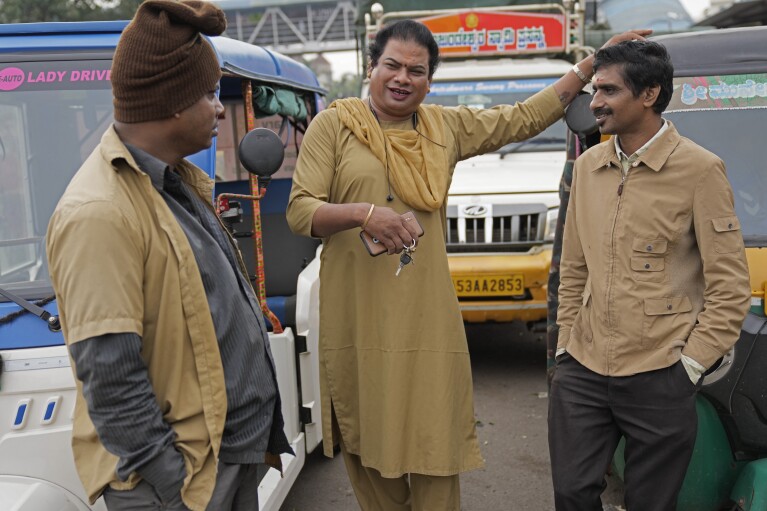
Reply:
x=510, y=403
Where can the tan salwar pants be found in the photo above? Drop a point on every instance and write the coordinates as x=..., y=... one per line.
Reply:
x=413, y=492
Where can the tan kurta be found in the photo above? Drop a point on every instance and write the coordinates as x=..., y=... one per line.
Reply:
x=394, y=360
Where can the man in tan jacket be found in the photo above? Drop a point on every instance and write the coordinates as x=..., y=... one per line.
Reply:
x=654, y=287
x=177, y=401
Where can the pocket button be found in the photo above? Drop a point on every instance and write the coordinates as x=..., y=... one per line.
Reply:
x=649, y=248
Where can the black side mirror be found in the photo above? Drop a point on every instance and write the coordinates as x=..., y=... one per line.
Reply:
x=581, y=121
x=261, y=153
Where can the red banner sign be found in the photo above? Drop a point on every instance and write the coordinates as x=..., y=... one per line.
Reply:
x=486, y=33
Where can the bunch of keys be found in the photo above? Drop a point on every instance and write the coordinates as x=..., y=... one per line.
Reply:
x=406, y=258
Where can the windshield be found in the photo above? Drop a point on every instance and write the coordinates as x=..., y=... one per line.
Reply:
x=727, y=122
x=490, y=93
x=52, y=115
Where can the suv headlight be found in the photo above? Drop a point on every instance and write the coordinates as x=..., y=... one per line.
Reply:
x=551, y=224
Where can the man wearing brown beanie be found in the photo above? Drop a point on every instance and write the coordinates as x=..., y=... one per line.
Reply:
x=178, y=401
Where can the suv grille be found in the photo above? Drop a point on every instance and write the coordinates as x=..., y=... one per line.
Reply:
x=494, y=227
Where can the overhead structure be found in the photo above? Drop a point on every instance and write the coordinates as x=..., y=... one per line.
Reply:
x=291, y=27
x=294, y=27
x=748, y=13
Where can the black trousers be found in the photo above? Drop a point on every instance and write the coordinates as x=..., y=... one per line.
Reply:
x=589, y=412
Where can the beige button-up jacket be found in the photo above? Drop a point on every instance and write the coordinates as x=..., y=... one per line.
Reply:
x=653, y=264
x=120, y=262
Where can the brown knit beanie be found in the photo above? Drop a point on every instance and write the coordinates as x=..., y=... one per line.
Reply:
x=162, y=64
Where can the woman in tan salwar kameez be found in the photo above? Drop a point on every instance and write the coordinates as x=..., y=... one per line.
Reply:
x=395, y=375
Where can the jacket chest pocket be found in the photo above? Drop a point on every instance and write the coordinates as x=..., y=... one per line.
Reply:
x=648, y=263
x=665, y=319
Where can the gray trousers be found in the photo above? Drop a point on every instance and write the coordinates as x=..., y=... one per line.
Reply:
x=236, y=490
x=588, y=413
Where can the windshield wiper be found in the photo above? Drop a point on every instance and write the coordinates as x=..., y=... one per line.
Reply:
x=516, y=146
x=54, y=325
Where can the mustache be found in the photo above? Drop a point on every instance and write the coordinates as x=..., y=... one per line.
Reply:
x=602, y=111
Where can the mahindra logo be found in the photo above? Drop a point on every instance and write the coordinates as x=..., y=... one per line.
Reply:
x=475, y=210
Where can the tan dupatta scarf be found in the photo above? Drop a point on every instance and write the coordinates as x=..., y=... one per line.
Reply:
x=418, y=167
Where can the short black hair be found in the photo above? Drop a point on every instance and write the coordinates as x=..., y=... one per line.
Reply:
x=405, y=30
x=642, y=64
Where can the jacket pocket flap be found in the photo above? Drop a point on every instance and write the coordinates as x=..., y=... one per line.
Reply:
x=647, y=263
x=726, y=223
x=658, y=246
x=670, y=305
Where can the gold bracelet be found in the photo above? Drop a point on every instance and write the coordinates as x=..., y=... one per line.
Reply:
x=367, y=218
x=580, y=74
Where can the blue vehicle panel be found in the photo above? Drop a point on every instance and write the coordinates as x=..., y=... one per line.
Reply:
x=235, y=57
x=27, y=331
x=49, y=42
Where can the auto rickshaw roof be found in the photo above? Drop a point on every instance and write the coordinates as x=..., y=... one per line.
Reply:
x=235, y=57
x=717, y=52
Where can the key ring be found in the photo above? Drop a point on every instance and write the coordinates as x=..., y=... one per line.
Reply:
x=411, y=247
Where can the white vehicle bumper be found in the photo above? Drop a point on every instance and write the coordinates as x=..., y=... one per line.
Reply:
x=27, y=494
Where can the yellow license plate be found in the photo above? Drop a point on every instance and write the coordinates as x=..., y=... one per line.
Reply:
x=489, y=285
